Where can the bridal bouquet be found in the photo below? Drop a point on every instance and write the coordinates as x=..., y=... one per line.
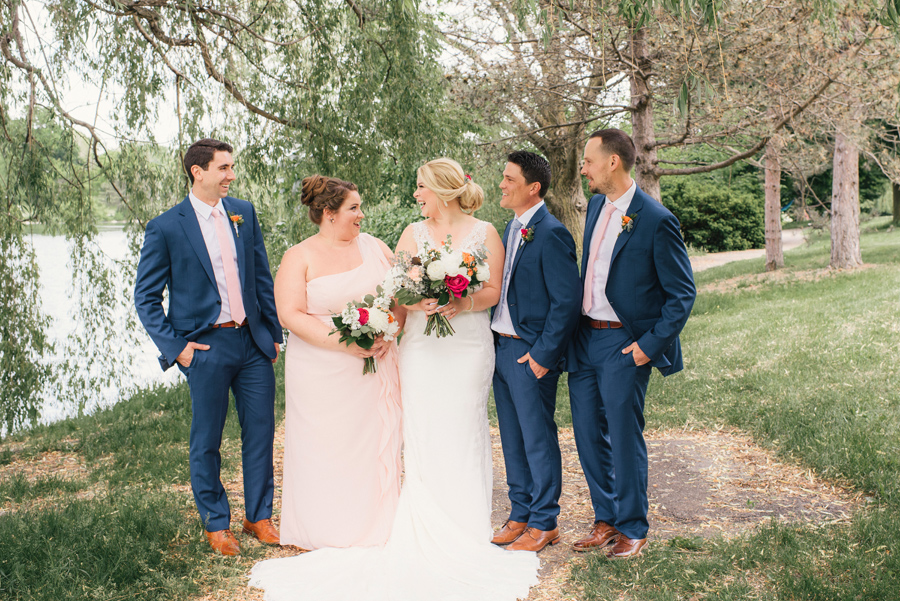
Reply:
x=439, y=273
x=362, y=322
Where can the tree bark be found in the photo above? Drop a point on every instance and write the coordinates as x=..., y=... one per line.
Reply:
x=774, y=251
x=845, y=253
x=642, y=126
x=896, y=188
x=566, y=198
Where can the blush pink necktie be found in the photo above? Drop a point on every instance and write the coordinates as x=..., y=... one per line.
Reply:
x=587, y=301
x=232, y=283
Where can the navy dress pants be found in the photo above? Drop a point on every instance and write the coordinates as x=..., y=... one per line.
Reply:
x=525, y=408
x=233, y=362
x=607, y=396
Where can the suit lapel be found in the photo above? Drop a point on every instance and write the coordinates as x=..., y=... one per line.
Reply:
x=532, y=223
x=195, y=237
x=637, y=203
x=238, y=243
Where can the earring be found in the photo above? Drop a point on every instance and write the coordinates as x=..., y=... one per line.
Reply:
x=332, y=220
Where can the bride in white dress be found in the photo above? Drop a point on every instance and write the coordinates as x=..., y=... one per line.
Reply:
x=439, y=548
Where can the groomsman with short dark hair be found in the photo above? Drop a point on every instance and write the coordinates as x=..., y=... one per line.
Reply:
x=532, y=324
x=222, y=331
x=637, y=296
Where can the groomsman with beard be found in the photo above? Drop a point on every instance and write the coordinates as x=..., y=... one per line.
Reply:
x=532, y=324
x=221, y=330
x=638, y=294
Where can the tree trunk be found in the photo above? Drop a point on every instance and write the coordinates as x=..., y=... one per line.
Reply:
x=774, y=251
x=566, y=197
x=845, y=252
x=896, y=188
x=642, y=131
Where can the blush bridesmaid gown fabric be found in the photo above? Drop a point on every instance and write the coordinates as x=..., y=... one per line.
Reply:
x=342, y=428
x=440, y=547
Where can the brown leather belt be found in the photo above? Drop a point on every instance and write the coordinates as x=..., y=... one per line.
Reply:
x=231, y=324
x=600, y=324
x=511, y=336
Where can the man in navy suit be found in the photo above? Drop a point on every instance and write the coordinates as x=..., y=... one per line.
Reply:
x=533, y=322
x=221, y=329
x=638, y=293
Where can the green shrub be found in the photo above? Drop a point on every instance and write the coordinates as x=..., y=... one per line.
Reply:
x=715, y=217
x=388, y=219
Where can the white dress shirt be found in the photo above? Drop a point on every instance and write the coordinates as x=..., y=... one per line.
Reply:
x=502, y=322
x=600, y=307
x=208, y=229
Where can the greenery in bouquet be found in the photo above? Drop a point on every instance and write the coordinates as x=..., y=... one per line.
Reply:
x=441, y=273
x=362, y=322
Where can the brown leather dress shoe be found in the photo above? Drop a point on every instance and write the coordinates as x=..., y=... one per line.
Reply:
x=602, y=534
x=223, y=541
x=534, y=540
x=511, y=531
x=626, y=547
x=263, y=530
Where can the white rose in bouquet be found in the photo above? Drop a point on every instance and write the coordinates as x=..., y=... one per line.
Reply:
x=484, y=272
x=437, y=270
x=391, y=331
x=378, y=319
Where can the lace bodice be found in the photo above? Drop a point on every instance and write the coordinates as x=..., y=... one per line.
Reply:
x=477, y=236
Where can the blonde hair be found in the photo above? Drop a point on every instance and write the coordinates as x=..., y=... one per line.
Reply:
x=446, y=179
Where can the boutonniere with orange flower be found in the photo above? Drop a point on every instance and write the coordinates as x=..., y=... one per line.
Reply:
x=236, y=220
x=527, y=234
x=628, y=222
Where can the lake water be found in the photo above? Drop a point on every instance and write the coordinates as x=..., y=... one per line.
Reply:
x=53, y=257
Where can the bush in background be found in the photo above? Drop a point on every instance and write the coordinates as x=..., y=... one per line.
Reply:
x=714, y=216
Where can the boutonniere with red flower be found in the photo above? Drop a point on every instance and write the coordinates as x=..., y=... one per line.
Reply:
x=628, y=222
x=527, y=234
x=236, y=220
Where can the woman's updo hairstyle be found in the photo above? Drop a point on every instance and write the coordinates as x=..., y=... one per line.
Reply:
x=320, y=193
x=447, y=180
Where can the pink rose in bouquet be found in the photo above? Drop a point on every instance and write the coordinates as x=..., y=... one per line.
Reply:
x=456, y=284
x=363, y=316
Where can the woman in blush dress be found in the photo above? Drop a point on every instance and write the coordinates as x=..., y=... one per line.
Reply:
x=342, y=428
x=440, y=546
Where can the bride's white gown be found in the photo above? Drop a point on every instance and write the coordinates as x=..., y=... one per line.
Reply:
x=439, y=548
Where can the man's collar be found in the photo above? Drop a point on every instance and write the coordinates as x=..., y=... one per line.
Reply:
x=203, y=209
x=623, y=202
x=527, y=215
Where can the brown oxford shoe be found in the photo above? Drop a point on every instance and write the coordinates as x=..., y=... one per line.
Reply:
x=626, y=547
x=602, y=534
x=263, y=530
x=511, y=531
x=223, y=542
x=534, y=540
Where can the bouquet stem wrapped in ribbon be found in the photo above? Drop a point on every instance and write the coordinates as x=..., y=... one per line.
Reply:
x=440, y=273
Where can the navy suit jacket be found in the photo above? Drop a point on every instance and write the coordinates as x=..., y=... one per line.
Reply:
x=174, y=256
x=544, y=295
x=651, y=283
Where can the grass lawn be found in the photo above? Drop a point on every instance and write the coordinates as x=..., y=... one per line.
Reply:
x=121, y=530
x=805, y=360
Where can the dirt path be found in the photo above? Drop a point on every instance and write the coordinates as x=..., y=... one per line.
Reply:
x=789, y=239
x=701, y=484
